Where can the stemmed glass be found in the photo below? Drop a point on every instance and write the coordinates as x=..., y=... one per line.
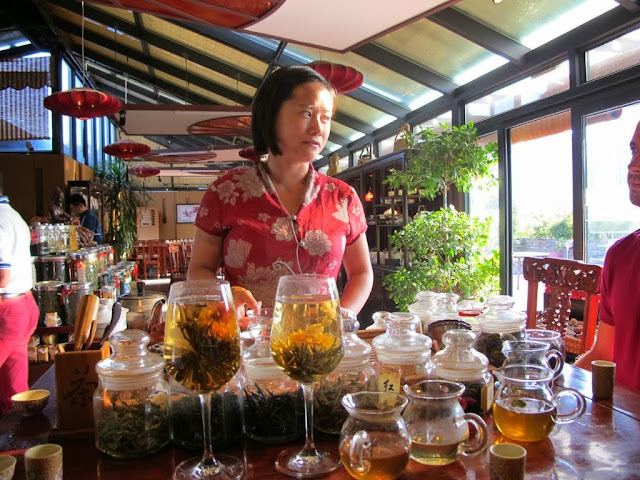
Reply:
x=306, y=343
x=202, y=352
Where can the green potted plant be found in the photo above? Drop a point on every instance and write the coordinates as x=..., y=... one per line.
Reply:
x=446, y=250
x=122, y=201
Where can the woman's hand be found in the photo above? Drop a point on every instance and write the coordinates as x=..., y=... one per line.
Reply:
x=244, y=301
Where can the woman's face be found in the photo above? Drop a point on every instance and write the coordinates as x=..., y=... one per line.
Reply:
x=304, y=122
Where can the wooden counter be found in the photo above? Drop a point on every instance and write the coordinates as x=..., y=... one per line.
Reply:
x=603, y=444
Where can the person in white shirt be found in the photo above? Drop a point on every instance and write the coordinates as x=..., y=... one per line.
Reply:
x=18, y=309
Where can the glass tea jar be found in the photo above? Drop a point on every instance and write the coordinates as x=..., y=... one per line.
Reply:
x=498, y=323
x=226, y=416
x=401, y=352
x=48, y=295
x=550, y=337
x=379, y=321
x=131, y=403
x=72, y=294
x=273, y=402
x=350, y=376
x=460, y=362
x=426, y=303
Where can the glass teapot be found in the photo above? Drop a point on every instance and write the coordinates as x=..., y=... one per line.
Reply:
x=374, y=441
x=525, y=408
x=438, y=426
x=531, y=352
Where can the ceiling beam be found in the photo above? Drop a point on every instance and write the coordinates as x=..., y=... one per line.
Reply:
x=481, y=34
x=405, y=67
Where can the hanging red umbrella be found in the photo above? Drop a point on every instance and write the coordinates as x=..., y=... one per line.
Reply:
x=126, y=149
x=250, y=154
x=83, y=103
x=225, y=126
x=345, y=79
x=144, y=171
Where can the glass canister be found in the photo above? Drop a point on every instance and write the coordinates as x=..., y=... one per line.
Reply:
x=78, y=267
x=401, y=352
x=48, y=296
x=379, y=321
x=52, y=267
x=72, y=293
x=424, y=306
x=498, y=323
x=350, y=376
x=131, y=403
x=550, y=337
x=91, y=261
x=226, y=416
x=273, y=402
x=42, y=239
x=460, y=362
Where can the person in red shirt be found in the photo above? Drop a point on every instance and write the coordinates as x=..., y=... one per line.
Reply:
x=619, y=326
x=280, y=215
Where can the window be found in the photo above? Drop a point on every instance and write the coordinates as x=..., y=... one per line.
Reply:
x=609, y=213
x=541, y=193
x=536, y=87
x=623, y=52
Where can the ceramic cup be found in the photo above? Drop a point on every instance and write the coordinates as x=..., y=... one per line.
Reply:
x=43, y=462
x=7, y=467
x=507, y=461
x=603, y=375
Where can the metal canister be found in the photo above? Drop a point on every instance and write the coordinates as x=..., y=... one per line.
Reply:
x=48, y=295
x=52, y=267
x=72, y=294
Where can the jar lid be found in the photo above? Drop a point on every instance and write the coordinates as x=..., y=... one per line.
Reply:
x=500, y=316
x=401, y=337
x=130, y=357
x=51, y=258
x=78, y=286
x=459, y=359
x=48, y=285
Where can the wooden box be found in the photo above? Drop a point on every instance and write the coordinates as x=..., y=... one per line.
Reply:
x=76, y=381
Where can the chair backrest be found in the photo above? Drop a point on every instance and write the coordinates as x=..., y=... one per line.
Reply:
x=562, y=276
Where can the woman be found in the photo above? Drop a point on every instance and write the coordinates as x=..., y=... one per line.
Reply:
x=281, y=216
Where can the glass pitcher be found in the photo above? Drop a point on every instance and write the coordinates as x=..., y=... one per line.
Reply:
x=553, y=338
x=438, y=426
x=374, y=441
x=531, y=352
x=525, y=408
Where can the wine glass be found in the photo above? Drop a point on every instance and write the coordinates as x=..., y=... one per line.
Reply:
x=306, y=343
x=202, y=352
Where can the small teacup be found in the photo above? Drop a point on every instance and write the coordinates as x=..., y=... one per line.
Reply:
x=7, y=467
x=43, y=462
x=507, y=461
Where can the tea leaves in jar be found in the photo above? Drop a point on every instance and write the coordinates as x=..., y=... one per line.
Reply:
x=132, y=429
x=329, y=414
x=226, y=421
x=273, y=417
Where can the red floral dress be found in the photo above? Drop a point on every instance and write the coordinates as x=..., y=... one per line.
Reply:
x=260, y=235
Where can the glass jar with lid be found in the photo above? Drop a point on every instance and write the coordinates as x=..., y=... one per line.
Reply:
x=273, y=402
x=131, y=403
x=226, y=416
x=48, y=295
x=460, y=362
x=350, y=376
x=498, y=323
x=401, y=352
x=72, y=294
x=424, y=306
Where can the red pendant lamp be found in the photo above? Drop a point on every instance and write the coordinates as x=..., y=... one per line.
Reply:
x=126, y=149
x=83, y=103
x=345, y=79
x=144, y=171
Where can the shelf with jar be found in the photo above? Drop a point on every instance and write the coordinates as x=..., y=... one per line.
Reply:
x=386, y=211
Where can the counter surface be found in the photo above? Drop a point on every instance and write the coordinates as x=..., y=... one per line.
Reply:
x=602, y=444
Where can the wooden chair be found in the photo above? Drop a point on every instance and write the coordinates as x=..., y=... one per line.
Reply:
x=562, y=277
x=149, y=254
x=177, y=266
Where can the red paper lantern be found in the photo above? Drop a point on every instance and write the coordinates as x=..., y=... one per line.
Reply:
x=344, y=79
x=250, y=154
x=126, y=149
x=83, y=103
x=144, y=171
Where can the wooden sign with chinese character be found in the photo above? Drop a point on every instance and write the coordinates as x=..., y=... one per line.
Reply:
x=76, y=381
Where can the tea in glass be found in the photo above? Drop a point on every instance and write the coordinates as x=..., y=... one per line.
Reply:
x=436, y=451
x=385, y=460
x=524, y=419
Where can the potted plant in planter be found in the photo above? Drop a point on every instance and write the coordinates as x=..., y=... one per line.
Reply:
x=122, y=201
x=446, y=249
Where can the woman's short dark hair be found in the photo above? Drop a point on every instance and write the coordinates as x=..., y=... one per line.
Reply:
x=277, y=89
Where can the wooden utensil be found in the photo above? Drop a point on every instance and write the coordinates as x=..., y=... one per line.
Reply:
x=87, y=312
x=116, y=311
x=92, y=334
